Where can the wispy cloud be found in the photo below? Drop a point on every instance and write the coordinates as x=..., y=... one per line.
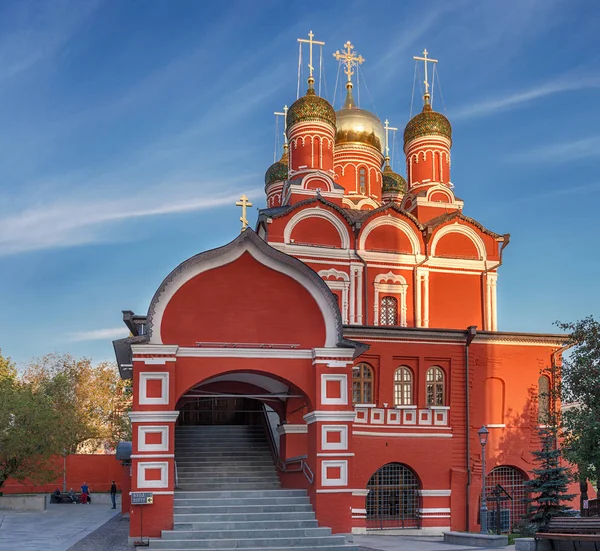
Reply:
x=555, y=193
x=98, y=334
x=521, y=98
x=77, y=222
x=562, y=152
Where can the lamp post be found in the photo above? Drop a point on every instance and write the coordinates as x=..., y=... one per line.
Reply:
x=483, y=437
x=64, y=470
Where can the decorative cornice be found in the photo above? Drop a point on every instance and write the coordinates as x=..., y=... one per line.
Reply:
x=321, y=416
x=450, y=216
x=153, y=416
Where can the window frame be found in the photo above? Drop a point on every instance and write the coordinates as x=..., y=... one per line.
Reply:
x=363, y=383
x=400, y=386
x=436, y=386
x=362, y=180
x=384, y=311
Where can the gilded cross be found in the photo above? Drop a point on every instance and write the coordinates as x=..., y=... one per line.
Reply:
x=349, y=59
x=284, y=115
x=310, y=43
x=425, y=61
x=387, y=138
x=244, y=203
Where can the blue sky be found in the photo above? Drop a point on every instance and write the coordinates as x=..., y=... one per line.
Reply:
x=128, y=129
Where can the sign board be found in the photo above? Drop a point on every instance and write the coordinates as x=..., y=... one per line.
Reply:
x=142, y=498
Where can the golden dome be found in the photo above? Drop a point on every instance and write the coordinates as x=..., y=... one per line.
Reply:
x=310, y=108
x=358, y=125
x=427, y=123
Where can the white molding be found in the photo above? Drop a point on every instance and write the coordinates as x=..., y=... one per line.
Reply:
x=340, y=283
x=358, y=511
x=398, y=287
x=316, y=212
x=240, y=352
x=161, y=493
x=292, y=429
x=496, y=426
x=464, y=230
x=153, y=416
x=402, y=434
x=428, y=510
x=342, y=444
x=154, y=361
x=329, y=353
x=343, y=466
x=389, y=220
x=335, y=491
x=146, y=349
x=435, y=493
x=404, y=426
x=336, y=454
x=152, y=455
x=163, y=430
x=142, y=466
x=161, y=376
x=342, y=379
x=326, y=416
x=361, y=493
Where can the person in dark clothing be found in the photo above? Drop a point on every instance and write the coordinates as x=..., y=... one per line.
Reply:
x=113, y=494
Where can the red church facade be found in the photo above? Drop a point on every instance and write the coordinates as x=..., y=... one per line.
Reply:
x=362, y=311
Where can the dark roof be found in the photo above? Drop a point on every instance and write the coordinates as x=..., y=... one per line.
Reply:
x=448, y=216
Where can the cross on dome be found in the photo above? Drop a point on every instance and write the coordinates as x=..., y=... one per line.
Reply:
x=425, y=61
x=284, y=115
x=387, y=138
x=350, y=59
x=310, y=43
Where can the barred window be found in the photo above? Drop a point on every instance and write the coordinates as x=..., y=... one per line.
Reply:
x=403, y=391
x=362, y=178
x=543, y=399
x=435, y=386
x=362, y=384
x=388, y=311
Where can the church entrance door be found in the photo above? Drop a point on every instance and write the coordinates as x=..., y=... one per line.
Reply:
x=220, y=410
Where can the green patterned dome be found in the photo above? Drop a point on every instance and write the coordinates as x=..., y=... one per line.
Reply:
x=427, y=123
x=392, y=182
x=278, y=172
x=310, y=108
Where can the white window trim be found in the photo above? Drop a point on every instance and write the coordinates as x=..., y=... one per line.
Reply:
x=398, y=289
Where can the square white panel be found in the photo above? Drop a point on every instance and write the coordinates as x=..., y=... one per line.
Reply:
x=142, y=467
x=440, y=417
x=425, y=417
x=342, y=465
x=164, y=395
x=410, y=417
x=162, y=447
x=362, y=415
x=393, y=417
x=342, y=430
x=377, y=416
x=342, y=380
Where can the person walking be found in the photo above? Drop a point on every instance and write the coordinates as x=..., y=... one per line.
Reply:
x=85, y=492
x=113, y=494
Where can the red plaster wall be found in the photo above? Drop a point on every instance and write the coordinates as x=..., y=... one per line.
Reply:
x=456, y=245
x=318, y=231
x=388, y=238
x=454, y=300
x=242, y=301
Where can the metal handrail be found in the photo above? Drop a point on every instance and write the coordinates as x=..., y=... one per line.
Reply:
x=310, y=476
x=176, y=475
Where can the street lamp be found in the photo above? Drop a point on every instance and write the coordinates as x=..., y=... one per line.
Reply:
x=64, y=470
x=483, y=437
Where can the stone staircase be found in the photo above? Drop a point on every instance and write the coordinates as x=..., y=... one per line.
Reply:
x=229, y=497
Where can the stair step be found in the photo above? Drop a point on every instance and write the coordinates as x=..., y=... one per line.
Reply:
x=241, y=517
x=257, y=533
x=258, y=543
x=246, y=525
x=240, y=494
x=247, y=501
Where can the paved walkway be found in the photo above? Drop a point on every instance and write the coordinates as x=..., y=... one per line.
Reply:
x=408, y=543
x=55, y=529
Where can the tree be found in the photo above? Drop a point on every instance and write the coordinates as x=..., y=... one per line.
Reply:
x=92, y=399
x=549, y=485
x=581, y=396
x=28, y=428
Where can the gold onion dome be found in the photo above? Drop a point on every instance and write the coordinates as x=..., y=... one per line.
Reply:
x=427, y=123
x=358, y=125
x=392, y=181
x=278, y=171
x=310, y=108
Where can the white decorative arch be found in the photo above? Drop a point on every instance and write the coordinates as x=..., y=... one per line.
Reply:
x=464, y=230
x=327, y=182
x=246, y=242
x=317, y=213
x=367, y=201
x=389, y=220
x=442, y=189
x=341, y=282
x=391, y=284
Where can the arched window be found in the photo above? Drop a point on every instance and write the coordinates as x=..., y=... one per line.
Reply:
x=362, y=180
x=388, y=311
x=393, y=498
x=403, y=390
x=435, y=387
x=362, y=384
x=513, y=510
x=543, y=400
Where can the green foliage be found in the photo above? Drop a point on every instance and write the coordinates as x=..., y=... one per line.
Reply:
x=581, y=397
x=549, y=484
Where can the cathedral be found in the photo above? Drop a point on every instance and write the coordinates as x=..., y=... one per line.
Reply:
x=353, y=331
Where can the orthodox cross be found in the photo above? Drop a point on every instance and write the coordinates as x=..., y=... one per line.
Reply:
x=426, y=60
x=310, y=43
x=284, y=115
x=387, y=138
x=349, y=59
x=244, y=203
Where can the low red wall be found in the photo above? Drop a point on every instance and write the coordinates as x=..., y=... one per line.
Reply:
x=97, y=470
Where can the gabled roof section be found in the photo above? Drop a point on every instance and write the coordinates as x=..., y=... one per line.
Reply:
x=391, y=206
x=457, y=215
x=291, y=208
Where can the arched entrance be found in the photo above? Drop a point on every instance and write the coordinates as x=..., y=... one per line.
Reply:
x=512, y=511
x=393, y=499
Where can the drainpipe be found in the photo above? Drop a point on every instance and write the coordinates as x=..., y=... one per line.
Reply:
x=416, y=282
x=471, y=332
x=505, y=242
x=365, y=284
